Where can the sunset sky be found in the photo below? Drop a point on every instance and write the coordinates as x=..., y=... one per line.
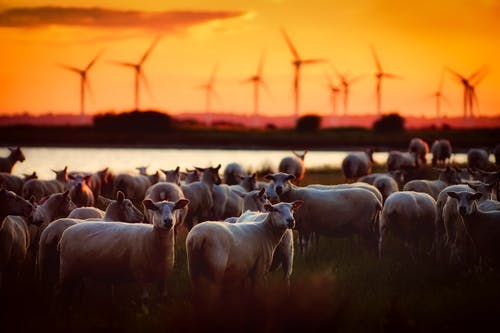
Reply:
x=413, y=39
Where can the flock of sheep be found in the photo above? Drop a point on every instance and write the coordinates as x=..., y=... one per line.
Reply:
x=122, y=227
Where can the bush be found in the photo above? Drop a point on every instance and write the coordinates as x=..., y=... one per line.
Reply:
x=390, y=123
x=135, y=121
x=308, y=123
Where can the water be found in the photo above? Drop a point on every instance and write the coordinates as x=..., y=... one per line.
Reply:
x=42, y=160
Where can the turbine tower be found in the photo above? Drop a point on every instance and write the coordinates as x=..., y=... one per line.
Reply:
x=346, y=82
x=297, y=63
x=209, y=91
x=138, y=72
x=379, y=75
x=469, y=83
x=334, y=91
x=439, y=97
x=84, y=83
x=257, y=83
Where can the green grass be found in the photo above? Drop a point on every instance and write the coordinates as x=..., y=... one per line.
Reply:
x=339, y=286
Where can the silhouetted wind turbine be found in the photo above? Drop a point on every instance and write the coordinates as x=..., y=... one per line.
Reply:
x=469, y=89
x=334, y=90
x=379, y=75
x=84, y=83
x=209, y=91
x=439, y=97
x=138, y=72
x=257, y=83
x=345, y=82
x=297, y=63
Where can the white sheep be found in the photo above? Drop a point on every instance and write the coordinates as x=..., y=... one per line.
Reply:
x=7, y=163
x=115, y=252
x=83, y=213
x=15, y=183
x=190, y=176
x=294, y=165
x=80, y=192
x=447, y=177
x=357, y=164
x=169, y=192
x=410, y=217
x=13, y=204
x=362, y=185
x=386, y=185
x=232, y=173
x=222, y=256
x=441, y=151
x=253, y=200
x=334, y=213
x=39, y=188
x=420, y=148
x=120, y=209
x=477, y=158
x=402, y=161
x=172, y=176
x=18, y=234
x=226, y=202
x=483, y=227
x=200, y=196
x=247, y=183
x=134, y=186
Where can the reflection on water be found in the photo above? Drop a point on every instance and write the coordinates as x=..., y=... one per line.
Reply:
x=42, y=160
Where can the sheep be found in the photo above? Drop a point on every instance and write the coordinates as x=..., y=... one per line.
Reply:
x=482, y=227
x=402, y=161
x=477, y=158
x=247, y=183
x=7, y=163
x=15, y=183
x=447, y=176
x=294, y=166
x=18, y=234
x=222, y=256
x=232, y=173
x=409, y=216
x=365, y=186
x=386, y=185
x=253, y=200
x=357, y=164
x=496, y=153
x=441, y=151
x=172, y=176
x=116, y=252
x=42, y=188
x=134, y=186
x=100, y=182
x=334, y=213
x=120, y=209
x=200, y=195
x=191, y=176
x=226, y=202
x=166, y=191
x=80, y=192
x=420, y=148
x=83, y=213
x=13, y=204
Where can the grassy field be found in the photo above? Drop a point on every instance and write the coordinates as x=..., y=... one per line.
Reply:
x=339, y=287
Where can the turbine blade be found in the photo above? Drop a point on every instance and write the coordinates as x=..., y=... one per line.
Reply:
x=122, y=63
x=71, y=68
x=480, y=76
x=212, y=76
x=392, y=76
x=313, y=61
x=89, y=89
x=356, y=79
x=476, y=73
x=149, y=50
x=375, y=57
x=94, y=60
x=249, y=80
x=267, y=89
x=475, y=101
x=260, y=67
x=145, y=80
x=456, y=74
x=290, y=45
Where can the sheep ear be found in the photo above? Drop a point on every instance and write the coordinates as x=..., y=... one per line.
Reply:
x=177, y=169
x=66, y=194
x=87, y=178
x=149, y=204
x=199, y=169
x=296, y=204
x=217, y=167
x=32, y=200
x=261, y=192
x=269, y=177
x=268, y=207
x=290, y=177
x=181, y=203
x=120, y=196
x=477, y=196
x=254, y=175
x=238, y=193
x=453, y=195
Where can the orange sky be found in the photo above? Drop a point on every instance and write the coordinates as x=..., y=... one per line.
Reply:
x=414, y=40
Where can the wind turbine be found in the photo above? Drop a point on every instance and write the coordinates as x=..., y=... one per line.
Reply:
x=334, y=90
x=346, y=82
x=84, y=83
x=209, y=91
x=297, y=63
x=469, y=89
x=379, y=75
x=138, y=72
x=257, y=83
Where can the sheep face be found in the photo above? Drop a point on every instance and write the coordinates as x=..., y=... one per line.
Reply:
x=172, y=176
x=59, y=204
x=211, y=175
x=164, y=217
x=14, y=204
x=467, y=201
x=126, y=211
x=17, y=154
x=281, y=214
x=280, y=184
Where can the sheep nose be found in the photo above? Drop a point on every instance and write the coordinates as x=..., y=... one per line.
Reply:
x=290, y=223
x=462, y=210
x=279, y=189
x=167, y=222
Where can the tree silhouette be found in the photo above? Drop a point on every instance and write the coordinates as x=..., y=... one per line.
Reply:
x=135, y=121
x=308, y=123
x=389, y=123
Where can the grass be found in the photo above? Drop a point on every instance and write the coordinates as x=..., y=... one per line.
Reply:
x=340, y=286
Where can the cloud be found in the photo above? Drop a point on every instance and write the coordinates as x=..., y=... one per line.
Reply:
x=95, y=17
